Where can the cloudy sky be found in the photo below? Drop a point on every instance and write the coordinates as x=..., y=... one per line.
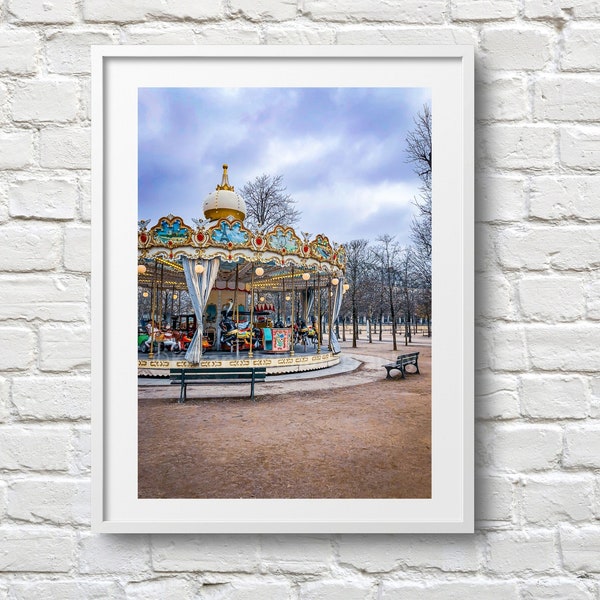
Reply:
x=340, y=152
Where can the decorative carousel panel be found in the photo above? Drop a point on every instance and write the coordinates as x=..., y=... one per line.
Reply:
x=171, y=231
x=284, y=240
x=321, y=248
x=230, y=234
x=340, y=257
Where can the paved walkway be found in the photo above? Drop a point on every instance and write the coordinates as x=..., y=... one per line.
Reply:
x=353, y=369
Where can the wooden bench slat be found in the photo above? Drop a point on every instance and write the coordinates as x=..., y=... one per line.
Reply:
x=212, y=378
x=220, y=370
x=231, y=373
x=218, y=374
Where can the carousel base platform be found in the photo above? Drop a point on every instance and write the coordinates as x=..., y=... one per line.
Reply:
x=276, y=363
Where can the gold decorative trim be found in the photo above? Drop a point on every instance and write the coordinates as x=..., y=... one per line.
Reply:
x=223, y=213
x=276, y=365
x=198, y=242
x=225, y=181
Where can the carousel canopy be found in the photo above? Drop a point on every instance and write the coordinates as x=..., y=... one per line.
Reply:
x=223, y=235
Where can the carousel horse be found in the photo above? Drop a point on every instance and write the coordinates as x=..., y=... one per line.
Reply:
x=170, y=340
x=167, y=340
x=238, y=335
x=304, y=333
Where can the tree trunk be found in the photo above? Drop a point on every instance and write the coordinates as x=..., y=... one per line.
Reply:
x=393, y=316
x=354, y=325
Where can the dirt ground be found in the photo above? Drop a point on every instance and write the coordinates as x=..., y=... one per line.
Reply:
x=353, y=435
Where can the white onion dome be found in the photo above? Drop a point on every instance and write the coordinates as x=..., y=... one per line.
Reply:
x=224, y=202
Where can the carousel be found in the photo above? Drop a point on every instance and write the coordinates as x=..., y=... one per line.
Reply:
x=221, y=294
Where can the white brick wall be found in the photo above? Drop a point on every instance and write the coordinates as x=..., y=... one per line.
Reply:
x=43, y=199
x=571, y=197
x=19, y=50
x=75, y=589
x=213, y=553
x=16, y=149
x=38, y=101
x=39, y=448
x=537, y=552
x=48, y=550
x=59, y=501
x=65, y=147
x=581, y=50
x=522, y=48
x=537, y=309
x=31, y=11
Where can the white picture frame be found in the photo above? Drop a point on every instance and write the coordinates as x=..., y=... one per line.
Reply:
x=117, y=73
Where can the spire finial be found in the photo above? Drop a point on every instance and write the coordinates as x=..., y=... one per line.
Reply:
x=225, y=181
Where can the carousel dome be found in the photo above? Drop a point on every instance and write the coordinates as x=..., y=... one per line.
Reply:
x=224, y=202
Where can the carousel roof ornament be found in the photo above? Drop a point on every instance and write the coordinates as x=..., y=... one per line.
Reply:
x=224, y=202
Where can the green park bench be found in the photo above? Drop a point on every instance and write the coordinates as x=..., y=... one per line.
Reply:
x=206, y=375
x=402, y=362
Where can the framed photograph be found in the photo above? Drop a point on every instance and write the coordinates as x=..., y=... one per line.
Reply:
x=298, y=269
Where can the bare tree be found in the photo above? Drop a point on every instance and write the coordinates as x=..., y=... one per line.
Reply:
x=388, y=256
x=420, y=228
x=357, y=258
x=374, y=297
x=421, y=263
x=267, y=203
x=419, y=144
x=409, y=289
x=419, y=152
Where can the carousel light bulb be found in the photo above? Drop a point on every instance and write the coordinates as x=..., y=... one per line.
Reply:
x=145, y=294
x=174, y=296
x=346, y=287
x=306, y=276
x=199, y=269
x=335, y=281
x=141, y=269
x=287, y=298
x=259, y=271
x=262, y=298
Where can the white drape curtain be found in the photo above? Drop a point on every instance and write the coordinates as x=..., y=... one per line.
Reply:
x=199, y=287
x=335, y=311
x=308, y=305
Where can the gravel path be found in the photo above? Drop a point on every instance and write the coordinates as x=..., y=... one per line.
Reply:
x=347, y=435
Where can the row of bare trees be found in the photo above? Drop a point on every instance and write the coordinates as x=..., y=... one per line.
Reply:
x=389, y=279
x=386, y=285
